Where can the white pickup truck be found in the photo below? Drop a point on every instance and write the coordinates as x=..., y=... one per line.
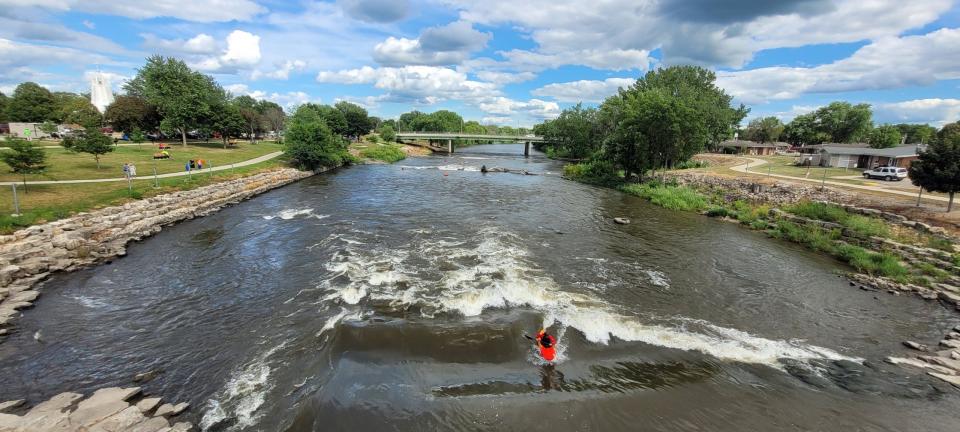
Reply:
x=886, y=173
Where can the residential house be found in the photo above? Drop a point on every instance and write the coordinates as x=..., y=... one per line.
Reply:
x=859, y=155
x=751, y=147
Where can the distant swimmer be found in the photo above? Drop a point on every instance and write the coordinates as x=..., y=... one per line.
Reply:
x=546, y=343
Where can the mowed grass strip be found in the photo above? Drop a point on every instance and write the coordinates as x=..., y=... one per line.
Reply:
x=66, y=165
x=46, y=203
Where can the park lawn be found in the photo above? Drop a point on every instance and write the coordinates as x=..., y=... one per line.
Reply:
x=45, y=203
x=66, y=165
x=784, y=165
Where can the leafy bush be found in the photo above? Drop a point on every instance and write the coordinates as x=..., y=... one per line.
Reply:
x=671, y=197
x=598, y=172
x=691, y=164
x=720, y=212
x=387, y=153
x=310, y=144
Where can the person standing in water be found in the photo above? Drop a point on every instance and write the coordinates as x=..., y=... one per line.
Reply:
x=547, y=344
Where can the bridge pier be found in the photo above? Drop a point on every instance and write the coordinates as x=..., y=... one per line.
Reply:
x=526, y=149
x=449, y=146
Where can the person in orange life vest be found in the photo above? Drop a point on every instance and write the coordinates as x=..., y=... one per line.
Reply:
x=546, y=343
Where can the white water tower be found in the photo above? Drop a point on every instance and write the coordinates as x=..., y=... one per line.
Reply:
x=100, y=94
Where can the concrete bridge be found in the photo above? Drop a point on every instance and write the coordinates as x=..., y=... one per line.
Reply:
x=443, y=141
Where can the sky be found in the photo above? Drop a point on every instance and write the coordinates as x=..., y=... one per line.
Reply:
x=505, y=62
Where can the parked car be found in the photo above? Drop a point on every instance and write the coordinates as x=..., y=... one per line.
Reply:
x=886, y=173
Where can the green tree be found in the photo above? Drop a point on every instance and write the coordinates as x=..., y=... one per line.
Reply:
x=183, y=97
x=938, y=167
x=90, y=141
x=309, y=142
x=24, y=158
x=917, y=133
x=410, y=121
x=31, y=103
x=274, y=117
x=474, y=127
x=763, y=130
x=696, y=86
x=228, y=120
x=575, y=133
x=358, y=123
x=885, y=136
x=666, y=117
x=802, y=130
x=387, y=133
x=334, y=118
x=128, y=113
x=653, y=128
x=4, y=102
x=48, y=127
x=949, y=132
x=252, y=117
x=82, y=112
x=844, y=122
x=445, y=121
x=137, y=136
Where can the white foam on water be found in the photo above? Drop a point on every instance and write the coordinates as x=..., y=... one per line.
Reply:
x=292, y=213
x=90, y=303
x=658, y=278
x=243, y=394
x=500, y=276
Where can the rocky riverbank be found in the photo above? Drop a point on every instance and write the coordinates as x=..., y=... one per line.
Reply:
x=29, y=256
x=109, y=409
x=941, y=279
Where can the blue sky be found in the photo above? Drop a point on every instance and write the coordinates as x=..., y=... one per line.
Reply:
x=505, y=62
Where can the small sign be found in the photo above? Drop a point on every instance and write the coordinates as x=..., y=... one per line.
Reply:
x=26, y=132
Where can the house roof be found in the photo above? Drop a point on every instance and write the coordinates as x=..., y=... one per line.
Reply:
x=745, y=143
x=856, y=149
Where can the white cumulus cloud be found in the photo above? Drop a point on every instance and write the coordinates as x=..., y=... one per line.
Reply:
x=583, y=90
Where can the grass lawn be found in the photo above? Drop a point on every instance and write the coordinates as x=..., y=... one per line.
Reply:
x=44, y=203
x=784, y=165
x=65, y=165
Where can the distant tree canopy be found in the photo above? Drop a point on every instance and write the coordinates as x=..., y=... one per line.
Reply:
x=128, y=113
x=763, y=130
x=917, y=133
x=31, y=103
x=576, y=133
x=885, y=136
x=358, y=122
x=4, y=102
x=838, y=122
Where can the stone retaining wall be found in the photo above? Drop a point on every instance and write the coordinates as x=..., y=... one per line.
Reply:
x=31, y=254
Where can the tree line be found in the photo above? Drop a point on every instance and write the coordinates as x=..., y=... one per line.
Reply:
x=838, y=122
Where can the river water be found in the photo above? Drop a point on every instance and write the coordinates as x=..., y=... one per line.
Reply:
x=396, y=297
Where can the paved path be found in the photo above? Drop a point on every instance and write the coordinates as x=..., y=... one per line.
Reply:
x=263, y=158
x=757, y=162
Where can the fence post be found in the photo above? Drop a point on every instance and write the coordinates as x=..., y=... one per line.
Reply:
x=919, y=195
x=156, y=181
x=823, y=182
x=16, y=202
x=209, y=169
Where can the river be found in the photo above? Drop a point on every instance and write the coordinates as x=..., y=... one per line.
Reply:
x=396, y=297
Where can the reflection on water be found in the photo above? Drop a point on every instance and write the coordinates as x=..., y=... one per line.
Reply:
x=398, y=297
